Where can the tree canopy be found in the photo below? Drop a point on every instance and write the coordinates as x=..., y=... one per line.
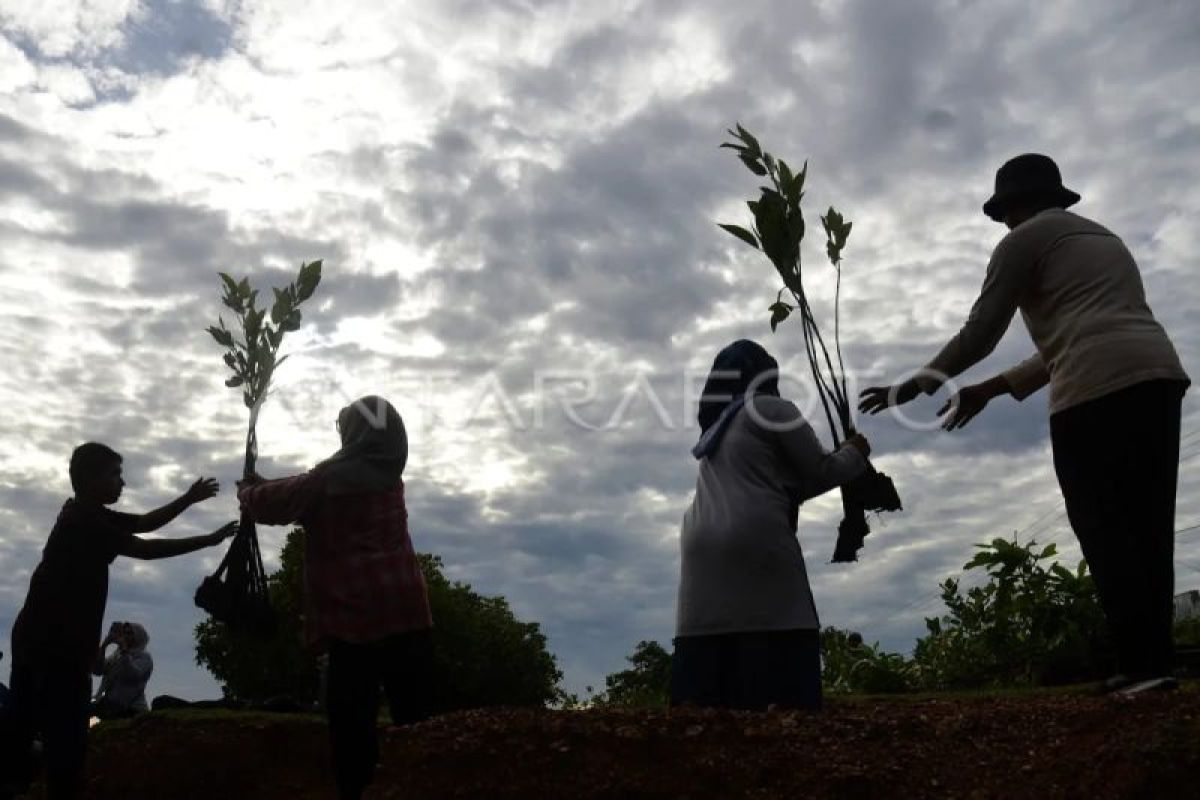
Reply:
x=484, y=655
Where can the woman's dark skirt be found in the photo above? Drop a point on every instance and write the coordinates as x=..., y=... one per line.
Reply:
x=750, y=671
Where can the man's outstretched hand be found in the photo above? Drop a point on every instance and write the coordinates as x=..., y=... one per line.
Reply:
x=201, y=490
x=970, y=400
x=874, y=399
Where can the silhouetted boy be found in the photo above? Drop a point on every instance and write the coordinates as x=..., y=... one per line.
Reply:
x=56, y=634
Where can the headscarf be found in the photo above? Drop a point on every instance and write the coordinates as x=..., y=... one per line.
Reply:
x=140, y=638
x=374, y=449
x=742, y=367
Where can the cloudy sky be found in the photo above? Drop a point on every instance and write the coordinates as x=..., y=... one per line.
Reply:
x=515, y=201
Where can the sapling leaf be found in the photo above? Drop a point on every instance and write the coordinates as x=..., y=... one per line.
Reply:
x=236, y=380
x=309, y=279
x=223, y=337
x=243, y=287
x=750, y=141
x=785, y=178
x=741, y=233
x=795, y=224
x=779, y=312
x=231, y=285
x=254, y=319
x=752, y=164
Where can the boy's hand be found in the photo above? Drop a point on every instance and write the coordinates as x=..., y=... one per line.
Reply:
x=859, y=441
x=202, y=490
x=224, y=532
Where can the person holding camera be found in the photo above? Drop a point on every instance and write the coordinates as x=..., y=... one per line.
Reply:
x=124, y=673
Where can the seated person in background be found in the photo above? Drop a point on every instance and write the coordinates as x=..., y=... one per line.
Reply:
x=124, y=673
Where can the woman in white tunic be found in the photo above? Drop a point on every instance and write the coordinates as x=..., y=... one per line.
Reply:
x=746, y=626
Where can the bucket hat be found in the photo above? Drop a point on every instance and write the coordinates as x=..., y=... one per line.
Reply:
x=1028, y=176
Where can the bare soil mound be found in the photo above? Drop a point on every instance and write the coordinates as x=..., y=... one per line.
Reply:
x=1029, y=746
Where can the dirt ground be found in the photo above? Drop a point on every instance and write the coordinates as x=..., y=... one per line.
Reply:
x=1026, y=746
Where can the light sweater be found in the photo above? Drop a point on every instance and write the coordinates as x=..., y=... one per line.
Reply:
x=742, y=568
x=125, y=675
x=1081, y=297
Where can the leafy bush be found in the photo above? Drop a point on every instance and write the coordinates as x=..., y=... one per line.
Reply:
x=1030, y=624
x=850, y=666
x=646, y=684
x=1187, y=632
x=484, y=655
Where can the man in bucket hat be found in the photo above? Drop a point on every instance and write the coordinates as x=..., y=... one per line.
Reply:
x=1116, y=389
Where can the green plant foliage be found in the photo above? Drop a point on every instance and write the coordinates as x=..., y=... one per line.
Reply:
x=253, y=358
x=483, y=655
x=777, y=231
x=850, y=666
x=1187, y=632
x=1034, y=622
x=646, y=684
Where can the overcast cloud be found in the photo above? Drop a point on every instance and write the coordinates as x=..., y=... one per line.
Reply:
x=515, y=202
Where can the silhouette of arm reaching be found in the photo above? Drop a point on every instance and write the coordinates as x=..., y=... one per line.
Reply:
x=1020, y=381
x=201, y=490
x=152, y=549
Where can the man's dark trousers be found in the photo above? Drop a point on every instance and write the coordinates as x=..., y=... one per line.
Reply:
x=1117, y=459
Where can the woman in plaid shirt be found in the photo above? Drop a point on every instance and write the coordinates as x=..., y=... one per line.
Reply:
x=365, y=597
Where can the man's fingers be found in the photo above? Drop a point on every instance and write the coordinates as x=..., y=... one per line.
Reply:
x=872, y=404
x=960, y=420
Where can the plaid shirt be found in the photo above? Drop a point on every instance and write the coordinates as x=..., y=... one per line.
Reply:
x=361, y=577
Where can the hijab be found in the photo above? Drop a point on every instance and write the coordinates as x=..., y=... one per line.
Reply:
x=742, y=368
x=139, y=636
x=374, y=449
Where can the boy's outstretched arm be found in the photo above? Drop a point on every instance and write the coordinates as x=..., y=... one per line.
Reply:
x=201, y=490
x=151, y=549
